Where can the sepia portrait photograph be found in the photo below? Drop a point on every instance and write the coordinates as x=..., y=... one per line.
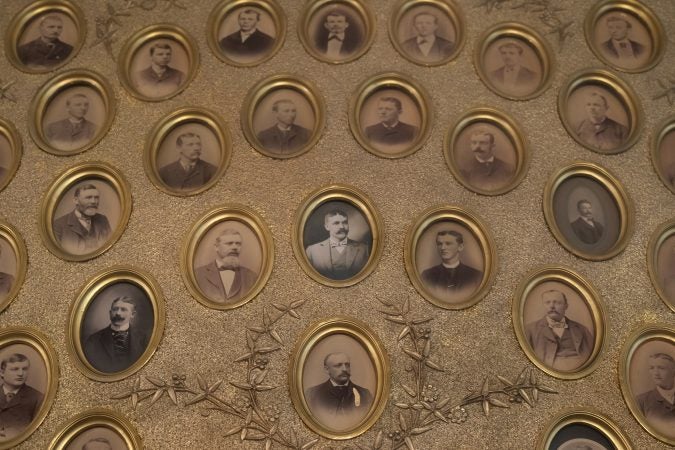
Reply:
x=97, y=429
x=426, y=34
x=159, y=68
x=663, y=154
x=661, y=262
x=623, y=40
x=247, y=34
x=97, y=438
x=48, y=41
x=8, y=269
x=584, y=443
x=513, y=67
x=583, y=429
x=6, y=160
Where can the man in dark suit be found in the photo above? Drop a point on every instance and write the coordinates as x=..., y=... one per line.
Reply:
x=74, y=131
x=120, y=344
x=337, y=257
x=598, y=130
x=19, y=403
x=189, y=171
x=338, y=40
x=658, y=405
x=284, y=137
x=46, y=50
x=451, y=277
x=486, y=171
x=248, y=40
x=159, y=78
x=390, y=130
x=338, y=396
x=588, y=230
x=427, y=45
x=83, y=229
x=225, y=280
x=513, y=76
x=618, y=45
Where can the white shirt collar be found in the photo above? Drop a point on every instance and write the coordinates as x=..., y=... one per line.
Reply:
x=122, y=328
x=335, y=384
x=451, y=266
x=483, y=161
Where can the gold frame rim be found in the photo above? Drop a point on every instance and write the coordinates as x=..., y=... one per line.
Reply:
x=222, y=9
x=87, y=294
x=588, y=417
x=663, y=128
x=20, y=21
x=9, y=131
x=357, y=199
x=313, y=6
x=171, y=121
x=615, y=85
x=507, y=125
x=133, y=44
x=57, y=189
x=451, y=10
x=266, y=86
x=533, y=39
x=469, y=220
x=608, y=181
x=96, y=417
x=589, y=295
x=12, y=236
x=657, y=239
x=58, y=84
x=408, y=86
x=229, y=212
x=39, y=343
x=639, y=11
x=637, y=338
x=376, y=350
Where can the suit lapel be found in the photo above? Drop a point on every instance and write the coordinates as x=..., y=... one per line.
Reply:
x=213, y=277
x=351, y=253
x=75, y=225
x=236, y=284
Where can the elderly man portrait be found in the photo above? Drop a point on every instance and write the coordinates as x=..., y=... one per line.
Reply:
x=248, y=40
x=120, y=344
x=486, y=171
x=160, y=78
x=598, y=130
x=390, y=130
x=658, y=404
x=513, y=75
x=83, y=229
x=285, y=136
x=47, y=49
x=98, y=443
x=451, y=276
x=337, y=257
x=427, y=45
x=19, y=403
x=189, y=171
x=75, y=130
x=6, y=281
x=338, y=396
x=337, y=38
x=558, y=341
x=619, y=45
x=585, y=227
x=225, y=279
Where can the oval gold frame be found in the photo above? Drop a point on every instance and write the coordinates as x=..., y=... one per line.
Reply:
x=586, y=291
x=470, y=221
x=358, y=200
x=638, y=11
x=662, y=130
x=173, y=120
x=614, y=188
x=401, y=82
x=133, y=44
x=587, y=417
x=358, y=6
x=10, y=133
x=365, y=336
x=504, y=123
x=31, y=11
x=451, y=10
x=622, y=90
x=12, y=236
x=530, y=37
x=658, y=237
x=231, y=212
x=270, y=84
x=222, y=9
x=94, y=418
x=88, y=293
x=58, y=84
x=50, y=201
x=637, y=338
x=38, y=342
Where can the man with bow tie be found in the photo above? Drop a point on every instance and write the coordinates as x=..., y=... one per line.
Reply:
x=587, y=229
x=225, y=279
x=658, y=404
x=390, y=130
x=47, y=49
x=427, y=45
x=189, y=172
x=598, y=130
x=159, y=78
x=618, y=45
x=338, y=39
x=248, y=41
x=486, y=171
x=75, y=130
x=285, y=136
x=513, y=76
x=19, y=403
x=120, y=344
x=558, y=341
x=83, y=229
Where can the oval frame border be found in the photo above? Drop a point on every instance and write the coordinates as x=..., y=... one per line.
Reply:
x=12, y=236
x=665, y=127
x=658, y=237
x=588, y=417
x=96, y=417
x=9, y=131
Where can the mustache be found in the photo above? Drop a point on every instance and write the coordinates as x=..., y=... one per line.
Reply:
x=117, y=318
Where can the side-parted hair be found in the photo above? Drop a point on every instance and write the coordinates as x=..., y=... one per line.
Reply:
x=335, y=212
x=179, y=139
x=13, y=358
x=125, y=299
x=602, y=97
x=393, y=100
x=325, y=359
x=555, y=291
x=163, y=45
x=226, y=232
x=511, y=44
x=52, y=17
x=425, y=13
x=250, y=11
x=665, y=356
x=338, y=13
x=456, y=234
x=616, y=18
x=275, y=105
x=84, y=187
x=485, y=132
x=75, y=96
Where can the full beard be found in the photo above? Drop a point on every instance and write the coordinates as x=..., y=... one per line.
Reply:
x=230, y=262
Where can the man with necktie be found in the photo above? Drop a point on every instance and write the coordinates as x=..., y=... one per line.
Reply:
x=338, y=39
x=658, y=404
x=248, y=41
x=285, y=136
x=598, y=130
x=587, y=229
x=189, y=172
x=486, y=171
x=75, y=130
x=19, y=403
x=427, y=45
x=390, y=130
x=159, y=78
x=47, y=49
x=513, y=76
x=618, y=45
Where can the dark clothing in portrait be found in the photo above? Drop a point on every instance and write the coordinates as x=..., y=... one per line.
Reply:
x=284, y=142
x=669, y=173
x=609, y=48
x=211, y=284
x=6, y=282
x=588, y=234
x=336, y=265
x=524, y=76
x=655, y=407
x=448, y=281
x=175, y=176
x=17, y=412
x=350, y=43
x=257, y=42
x=401, y=133
x=168, y=81
x=68, y=132
x=440, y=49
x=3, y=172
x=40, y=53
x=338, y=400
x=74, y=237
x=607, y=135
x=113, y=351
x=576, y=342
x=489, y=175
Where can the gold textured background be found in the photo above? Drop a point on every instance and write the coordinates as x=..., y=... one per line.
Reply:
x=470, y=344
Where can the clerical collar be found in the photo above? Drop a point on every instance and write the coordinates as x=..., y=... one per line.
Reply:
x=124, y=327
x=7, y=390
x=555, y=324
x=451, y=266
x=389, y=127
x=426, y=39
x=668, y=394
x=334, y=243
x=283, y=127
x=336, y=385
x=485, y=161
